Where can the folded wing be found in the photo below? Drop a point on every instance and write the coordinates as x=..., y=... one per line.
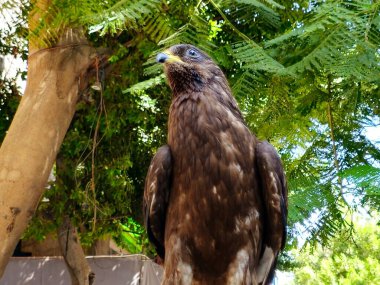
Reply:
x=275, y=206
x=156, y=197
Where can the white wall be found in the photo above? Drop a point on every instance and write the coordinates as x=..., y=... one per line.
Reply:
x=118, y=270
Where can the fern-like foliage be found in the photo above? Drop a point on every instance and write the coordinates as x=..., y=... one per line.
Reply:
x=157, y=26
x=252, y=56
x=315, y=200
x=144, y=85
x=261, y=11
x=364, y=179
x=123, y=15
x=341, y=38
x=196, y=32
x=255, y=64
x=105, y=18
x=286, y=69
x=291, y=111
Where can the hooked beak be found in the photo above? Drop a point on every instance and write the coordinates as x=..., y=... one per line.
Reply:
x=167, y=57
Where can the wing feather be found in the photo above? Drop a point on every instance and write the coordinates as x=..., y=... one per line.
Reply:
x=156, y=197
x=274, y=194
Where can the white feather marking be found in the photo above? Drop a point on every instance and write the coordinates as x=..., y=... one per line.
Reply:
x=182, y=198
x=265, y=264
x=238, y=269
x=214, y=190
x=273, y=180
x=252, y=216
x=152, y=203
x=237, y=166
x=237, y=228
x=225, y=139
x=176, y=246
x=186, y=272
x=246, y=222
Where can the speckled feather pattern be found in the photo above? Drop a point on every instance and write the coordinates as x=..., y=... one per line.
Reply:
x=226, y=191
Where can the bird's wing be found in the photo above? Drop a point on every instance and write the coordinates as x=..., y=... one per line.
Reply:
x=275, y=207
x=156, y=197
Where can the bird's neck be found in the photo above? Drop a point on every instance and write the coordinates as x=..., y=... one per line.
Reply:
x=185, y=81
x=197, y=112
x=186, y=87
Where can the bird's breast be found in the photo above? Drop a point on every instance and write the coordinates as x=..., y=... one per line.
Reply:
x=213, y=163
x=213, y=184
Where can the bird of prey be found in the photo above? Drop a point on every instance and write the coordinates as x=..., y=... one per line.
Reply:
x=215, y=198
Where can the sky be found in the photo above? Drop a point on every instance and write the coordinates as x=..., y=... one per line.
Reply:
x=373, y=133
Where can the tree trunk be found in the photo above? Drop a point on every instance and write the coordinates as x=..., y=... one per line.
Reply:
x=55, y=77
x=72, y=251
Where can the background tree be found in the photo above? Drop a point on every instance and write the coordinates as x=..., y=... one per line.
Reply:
x=29, y=148
x=349, y=259
x=306, y=78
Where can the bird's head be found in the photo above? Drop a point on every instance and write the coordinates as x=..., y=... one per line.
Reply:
x=188, y=68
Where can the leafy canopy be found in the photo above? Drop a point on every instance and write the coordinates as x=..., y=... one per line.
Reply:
x=304, y=73
x=348, y=259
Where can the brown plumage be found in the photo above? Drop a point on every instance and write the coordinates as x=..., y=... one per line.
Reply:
x=215, y=199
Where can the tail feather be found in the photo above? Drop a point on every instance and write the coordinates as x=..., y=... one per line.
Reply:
x=266, y=267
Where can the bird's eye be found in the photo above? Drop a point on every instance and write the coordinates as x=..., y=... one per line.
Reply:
x=192, y=53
